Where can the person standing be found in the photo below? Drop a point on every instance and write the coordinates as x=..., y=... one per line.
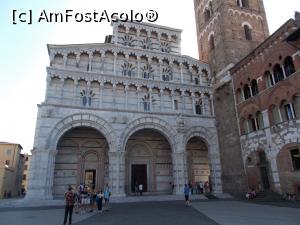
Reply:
x=186, y=192
x=106, y=195
x=99, y=200
x=141, y=189
x=70, y=198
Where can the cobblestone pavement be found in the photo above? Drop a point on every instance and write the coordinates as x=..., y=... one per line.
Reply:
x=206, y=212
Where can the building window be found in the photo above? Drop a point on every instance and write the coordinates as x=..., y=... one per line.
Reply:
x=26, y=158
x=295, y=154
x=175, y=104
x=25, y=167
x=8, y=152
x=7, y=162
x=211, y=42
x=276, y=117
x=289, y=66
x=198, y=107
x=287, y=111
x=166, y=74
x=253, y=123
x=207, y=15
x=146, y=103
x=268, y=79
x=24, y=177
x=248, y=32
x=127, y=69
x=196, y=80
x=254, y=87
x=247, y=92
x=245, y=3
x=278, y=74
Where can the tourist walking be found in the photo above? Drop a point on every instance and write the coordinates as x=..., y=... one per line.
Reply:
x=70, y=198
x=186, y=192
x=106, y=195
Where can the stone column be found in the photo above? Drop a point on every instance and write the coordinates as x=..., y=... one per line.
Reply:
x=41, y=175
x=117, y=173
x=150, y=99
x=161, y=92
x=101, y=95
x=274, y=168
x=172, y=99
x=283, y=71
x=181, y=73
x=90, y=61
x=212, y=105
x=126, y=97
x=138, y=98
x=139, y=65
x=193, y=103
x=179, y=160
x=272, y=76
x=215, y=167
x=115, y=61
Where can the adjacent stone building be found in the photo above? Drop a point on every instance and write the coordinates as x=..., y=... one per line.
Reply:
x=227, y=30
x=267, y=94
x=27, y=159
x=127, y=111
x=11, y=169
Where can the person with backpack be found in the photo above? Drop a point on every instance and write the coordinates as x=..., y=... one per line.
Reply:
x=70, y=199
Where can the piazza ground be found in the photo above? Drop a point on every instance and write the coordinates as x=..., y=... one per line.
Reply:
x=204, y=212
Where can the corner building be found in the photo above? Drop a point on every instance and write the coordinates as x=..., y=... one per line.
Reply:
x=130, y=110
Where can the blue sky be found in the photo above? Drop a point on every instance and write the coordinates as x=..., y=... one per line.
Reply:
x=24, y=56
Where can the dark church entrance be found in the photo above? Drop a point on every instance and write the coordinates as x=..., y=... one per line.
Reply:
x=139, y=176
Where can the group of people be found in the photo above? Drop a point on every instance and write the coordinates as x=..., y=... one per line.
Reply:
x=195, y=188
x=138, y=188
x=85, y=200
x=251, y=194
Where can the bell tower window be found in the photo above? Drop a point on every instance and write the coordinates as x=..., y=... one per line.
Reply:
x=248, y=32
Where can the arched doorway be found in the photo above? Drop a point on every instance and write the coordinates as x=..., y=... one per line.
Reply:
x=257, y=168
x=81, y=159
x=149, y=162
x=288, y=164
x=197, y=161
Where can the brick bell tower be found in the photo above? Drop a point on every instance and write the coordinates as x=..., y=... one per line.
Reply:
x=228, y=30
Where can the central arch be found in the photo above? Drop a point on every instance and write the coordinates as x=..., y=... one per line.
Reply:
x=148, y=162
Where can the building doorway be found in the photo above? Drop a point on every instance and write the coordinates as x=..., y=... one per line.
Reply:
x=90, y=178
x=148, y=161
x=138, y=176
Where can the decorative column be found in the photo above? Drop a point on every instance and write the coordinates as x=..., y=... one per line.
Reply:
x=139, y=65
x=179, y=160
x=212, y=105
x=172, y=99
x=75, y=97
x=150, y=99
x=101, y=95
x=138, y=98
x=181, y=73
x=160, y=69
x=77, y=59
x=65, y=60
x=283, y=71
x=115, y=61
x=215, y=166
x=114, y=96
x=193, y=102
x=41, y=175
x=272, y=76
x=116, y=180
x=161, y=92
x=126, y=97
x=90, y=61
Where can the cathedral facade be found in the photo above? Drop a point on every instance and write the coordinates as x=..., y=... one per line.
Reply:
x=128, y=111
